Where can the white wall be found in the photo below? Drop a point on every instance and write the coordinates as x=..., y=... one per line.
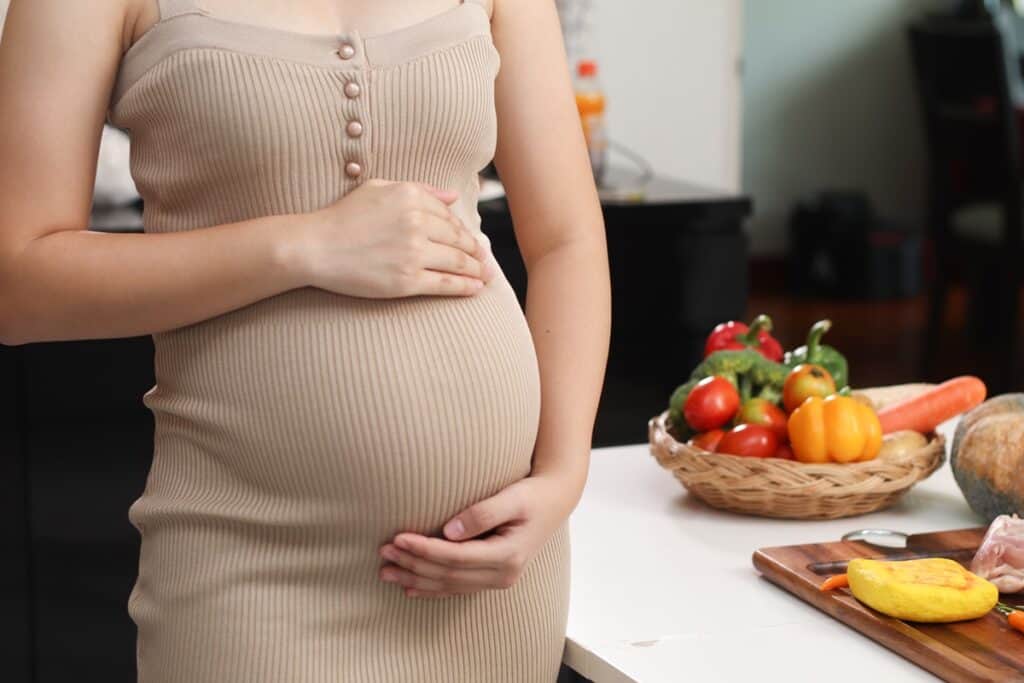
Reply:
x=671, y=72
x=830, y=102
x=670, y=68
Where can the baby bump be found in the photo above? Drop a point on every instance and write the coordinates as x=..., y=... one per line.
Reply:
x=398, y=412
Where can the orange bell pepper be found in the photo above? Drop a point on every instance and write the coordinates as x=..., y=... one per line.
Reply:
x=834, y=429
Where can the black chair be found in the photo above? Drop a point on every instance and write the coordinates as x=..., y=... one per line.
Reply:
x=967, y=75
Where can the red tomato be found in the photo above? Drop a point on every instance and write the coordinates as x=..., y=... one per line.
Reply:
x=759, y=411
x=785, y=452
x=708, y=440
x=805, y=381
x=752, y=441
x=711, y=404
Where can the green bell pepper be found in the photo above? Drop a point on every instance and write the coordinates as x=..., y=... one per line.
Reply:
x=819, y=354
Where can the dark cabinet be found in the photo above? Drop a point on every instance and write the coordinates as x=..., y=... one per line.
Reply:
x=16, y=627
x=80, y=445
x=678, y=261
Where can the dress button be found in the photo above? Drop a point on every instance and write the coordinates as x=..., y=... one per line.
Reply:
x=352, y=90
x=354, y=129
x=353, y=169
x=346, y=51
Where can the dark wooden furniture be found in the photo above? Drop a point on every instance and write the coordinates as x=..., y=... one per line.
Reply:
x=967, y=74
x=16, y=608
x=76, y=440
x=678, y=260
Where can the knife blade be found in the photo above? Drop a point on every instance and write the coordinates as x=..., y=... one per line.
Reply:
x=839, y=566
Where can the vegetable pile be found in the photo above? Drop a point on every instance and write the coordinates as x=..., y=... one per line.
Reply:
x=750, y=398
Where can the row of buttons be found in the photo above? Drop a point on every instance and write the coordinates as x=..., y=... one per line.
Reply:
x=354, y=127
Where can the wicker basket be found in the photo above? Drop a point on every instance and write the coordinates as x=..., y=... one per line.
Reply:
x=771, y=487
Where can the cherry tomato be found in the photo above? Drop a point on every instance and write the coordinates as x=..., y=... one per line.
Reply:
x=708, y=440
x=752, y=441
x=805, y=381
x=785, y=452
x=760, y=411
x=711, y=404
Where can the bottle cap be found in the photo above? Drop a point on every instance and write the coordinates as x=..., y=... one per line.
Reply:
x=587, y=67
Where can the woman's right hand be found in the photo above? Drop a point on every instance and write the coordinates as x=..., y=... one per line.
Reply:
x=392, y=239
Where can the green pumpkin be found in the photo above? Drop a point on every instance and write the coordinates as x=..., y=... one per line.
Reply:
x=987, y=456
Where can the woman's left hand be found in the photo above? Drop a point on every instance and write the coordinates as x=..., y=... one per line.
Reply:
x=522, y=517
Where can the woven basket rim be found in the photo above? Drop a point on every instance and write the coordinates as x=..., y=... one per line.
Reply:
x=774, y=487
x=660, y=432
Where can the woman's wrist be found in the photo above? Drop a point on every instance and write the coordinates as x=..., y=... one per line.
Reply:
x=567, y=464
x=291, y=244
x=568, y=481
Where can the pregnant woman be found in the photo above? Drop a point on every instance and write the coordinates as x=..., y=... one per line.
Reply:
x=365, y=453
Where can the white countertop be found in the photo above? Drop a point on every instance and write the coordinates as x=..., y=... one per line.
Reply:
x=663, y=588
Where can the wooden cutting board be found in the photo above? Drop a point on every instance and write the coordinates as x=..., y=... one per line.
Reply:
x=980, y=650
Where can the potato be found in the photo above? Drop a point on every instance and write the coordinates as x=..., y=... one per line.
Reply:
x=901, y=443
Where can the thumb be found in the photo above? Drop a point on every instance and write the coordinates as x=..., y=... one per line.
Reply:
x=446, y=196
x=492, y=512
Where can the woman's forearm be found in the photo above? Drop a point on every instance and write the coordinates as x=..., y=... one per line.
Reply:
x=78, y=284
x=568, y=307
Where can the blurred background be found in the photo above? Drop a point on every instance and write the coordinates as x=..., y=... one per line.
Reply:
x=858, y=161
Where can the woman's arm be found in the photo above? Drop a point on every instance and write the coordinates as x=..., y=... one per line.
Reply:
x=543, y=162
x=58, y=62
x=544, y=166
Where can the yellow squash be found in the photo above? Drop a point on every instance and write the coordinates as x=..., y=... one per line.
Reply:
x=930, y=590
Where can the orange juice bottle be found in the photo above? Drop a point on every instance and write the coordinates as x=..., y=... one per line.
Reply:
x=590, y=103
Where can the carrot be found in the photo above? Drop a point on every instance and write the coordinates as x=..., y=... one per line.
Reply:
x=834, y=582
x=1014, y=617
x=924, y=412
x=1016, y=620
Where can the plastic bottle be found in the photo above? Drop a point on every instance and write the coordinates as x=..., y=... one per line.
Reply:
x=591, y=103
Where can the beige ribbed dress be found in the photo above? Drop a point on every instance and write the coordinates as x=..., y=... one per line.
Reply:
x=296, y=435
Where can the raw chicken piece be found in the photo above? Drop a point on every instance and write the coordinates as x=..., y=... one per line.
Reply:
x=1000, y=559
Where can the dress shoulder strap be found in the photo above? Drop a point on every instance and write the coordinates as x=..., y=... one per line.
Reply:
x=174, y=8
